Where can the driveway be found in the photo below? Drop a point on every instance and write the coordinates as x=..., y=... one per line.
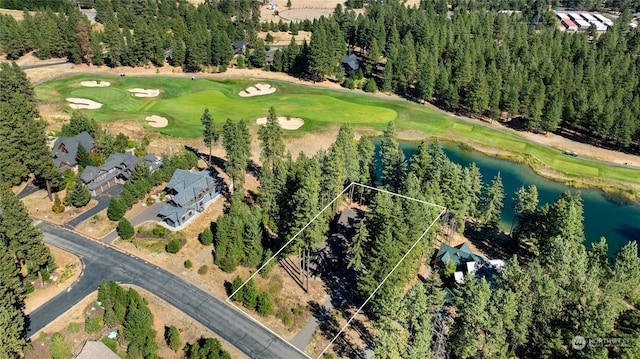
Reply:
x=102, y=262
x=103, y=203
x=150, y=213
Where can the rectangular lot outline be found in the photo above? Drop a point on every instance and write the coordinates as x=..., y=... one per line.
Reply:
x=345, y=190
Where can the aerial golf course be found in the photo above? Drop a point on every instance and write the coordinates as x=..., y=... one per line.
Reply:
x=182, y=100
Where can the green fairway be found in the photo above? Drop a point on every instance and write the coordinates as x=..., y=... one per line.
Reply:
x=183, y=100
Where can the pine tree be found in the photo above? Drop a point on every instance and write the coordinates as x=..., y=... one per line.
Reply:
x=82, y=157
x=392, y=158
x=116, y=209
x=80, y=194
x=491, y=204
x=125, y=229
x=12, y=295
x=236, y=141
x=270, y=136
x=258, y=57
x=24, y=239
x=264, y=307
x=347, y=146
x=209, y=131
x=206, y=237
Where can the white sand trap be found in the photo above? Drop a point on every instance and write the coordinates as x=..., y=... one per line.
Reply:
x=287, y=123
x=83, y=103
x=157, y=121
x=95, y=83
x=138, y=92
x=257, y=90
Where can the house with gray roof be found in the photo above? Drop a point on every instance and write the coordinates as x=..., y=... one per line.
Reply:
x=189, y=193
x=65, y=150
x=351, y=64
x=116, y=169
x=96, y=350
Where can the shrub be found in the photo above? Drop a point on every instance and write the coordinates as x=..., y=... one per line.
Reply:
x=73, y=327
x=172, y=337
x=286, y=318
x=159, y=231
x=125, y=229
x=60, y=348
x=80, y=194
x=264, y=308
x=203, y=270
x=58, y=207
x=188, y=264
x=206, y=237
x=348, y=83
x=173, y=246
x=370, y=86
x=250, y=295
x=92, y=325
x=237, y=282
x=149, y=201
x=116, y=209
x=28, y=287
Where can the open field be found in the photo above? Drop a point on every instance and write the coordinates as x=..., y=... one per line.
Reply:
x=183, y=100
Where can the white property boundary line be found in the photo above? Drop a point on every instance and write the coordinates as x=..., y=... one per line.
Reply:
x=352, y=184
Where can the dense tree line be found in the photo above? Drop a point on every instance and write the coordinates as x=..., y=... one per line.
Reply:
x=23, y=258
x=24, y=145
x=480, y=62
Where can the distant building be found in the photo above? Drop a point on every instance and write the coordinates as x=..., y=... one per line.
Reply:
x=189, y=193
x=96, y=350
x=239, y=48
x=351, y=64
x=65, y=150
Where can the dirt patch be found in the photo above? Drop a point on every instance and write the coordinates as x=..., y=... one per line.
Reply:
x=66, y=274
x=157, y=121
x=16, y=14
x=39, y=206
x=257, y=90
x=83, y=103
x=287, y=123
x=281, y=38
x=97, y=226
x=95, y=83
x=138, y=92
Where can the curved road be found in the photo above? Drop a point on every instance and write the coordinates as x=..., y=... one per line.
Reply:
x=102, y=262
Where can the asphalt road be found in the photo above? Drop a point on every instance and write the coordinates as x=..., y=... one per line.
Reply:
x=102, y=262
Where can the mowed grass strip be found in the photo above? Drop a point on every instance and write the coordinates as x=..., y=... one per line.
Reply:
x=183, y=100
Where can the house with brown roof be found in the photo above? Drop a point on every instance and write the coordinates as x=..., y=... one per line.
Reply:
x=65, y=150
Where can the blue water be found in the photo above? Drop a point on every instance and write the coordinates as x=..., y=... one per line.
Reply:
x=619, y=223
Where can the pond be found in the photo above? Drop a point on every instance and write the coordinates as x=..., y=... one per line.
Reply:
x=619, y=223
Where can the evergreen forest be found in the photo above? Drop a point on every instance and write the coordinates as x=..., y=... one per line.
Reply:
x=478, y=61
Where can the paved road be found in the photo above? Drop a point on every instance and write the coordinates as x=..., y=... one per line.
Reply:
x=103, y=202
x=104, y=262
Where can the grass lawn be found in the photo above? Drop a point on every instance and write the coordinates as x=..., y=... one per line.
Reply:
x=182, y=101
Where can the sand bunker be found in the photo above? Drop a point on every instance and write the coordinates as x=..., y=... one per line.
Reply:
x=287, y=123
x=157, y=121
x=95, y=83
x=138, y=92
x=257, y=90
x=83, y=103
